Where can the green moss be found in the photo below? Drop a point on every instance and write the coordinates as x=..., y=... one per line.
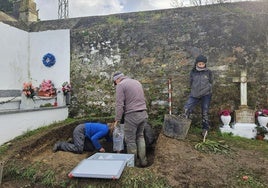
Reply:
x=114, y=20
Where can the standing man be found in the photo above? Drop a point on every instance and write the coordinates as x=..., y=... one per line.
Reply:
x=130, y=102
x=201, y=91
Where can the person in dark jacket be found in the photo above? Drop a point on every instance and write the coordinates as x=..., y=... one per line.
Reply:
x=91, y=132
x=130, y=102
x=201, y=91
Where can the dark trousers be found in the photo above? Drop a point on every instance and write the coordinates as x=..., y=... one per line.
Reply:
x=205, y=103
x=80, y=142
x=134, y=138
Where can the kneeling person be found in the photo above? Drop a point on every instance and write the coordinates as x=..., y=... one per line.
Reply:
x=87, y=131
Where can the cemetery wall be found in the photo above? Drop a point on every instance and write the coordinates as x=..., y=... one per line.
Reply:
x=154, y=46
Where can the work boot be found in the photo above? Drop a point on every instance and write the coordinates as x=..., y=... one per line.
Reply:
x=133, y=150
x=142, y=152
x=186, y=114
x=56, y=147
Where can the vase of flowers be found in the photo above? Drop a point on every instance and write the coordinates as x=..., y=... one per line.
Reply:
x=28, y=90
x=66, y=89
x=225, y=116
x=262, y=117
x=47, y=89
x=27, y=98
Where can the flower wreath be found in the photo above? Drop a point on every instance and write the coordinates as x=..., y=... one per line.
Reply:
x=49, y=60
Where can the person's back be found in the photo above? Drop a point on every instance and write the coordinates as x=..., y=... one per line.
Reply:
x=93, y=128
x=96, y=131
x=134, y=95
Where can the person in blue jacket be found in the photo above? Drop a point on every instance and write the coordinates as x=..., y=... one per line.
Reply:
x=86, y=131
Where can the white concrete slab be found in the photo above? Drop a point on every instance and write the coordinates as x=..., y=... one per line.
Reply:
x=95, y=168
x=246, y=130
x=129, y=158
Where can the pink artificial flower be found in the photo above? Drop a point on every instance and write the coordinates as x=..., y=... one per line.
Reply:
x=28, y=90
x=66, y=87
x=48, y=87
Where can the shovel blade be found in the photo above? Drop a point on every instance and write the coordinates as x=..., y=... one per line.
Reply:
x=176, y=126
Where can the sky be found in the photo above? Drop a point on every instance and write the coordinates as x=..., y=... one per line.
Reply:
x=48, y=9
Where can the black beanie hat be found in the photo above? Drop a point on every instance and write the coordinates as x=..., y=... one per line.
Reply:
x=201, y=58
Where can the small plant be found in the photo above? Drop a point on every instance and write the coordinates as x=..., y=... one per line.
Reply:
x=249, y=180
x=209, y=146
x=48, y=178
x=46, y=105
x=261, y=130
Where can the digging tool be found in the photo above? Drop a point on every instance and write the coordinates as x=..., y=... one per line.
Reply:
x=175, y=126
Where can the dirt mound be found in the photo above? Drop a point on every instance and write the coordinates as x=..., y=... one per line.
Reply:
x=184, y=166
x=176, y=160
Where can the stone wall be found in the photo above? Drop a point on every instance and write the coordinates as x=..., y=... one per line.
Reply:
x=154, y=46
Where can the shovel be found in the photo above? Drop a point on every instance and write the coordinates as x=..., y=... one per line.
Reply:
x=175, y=126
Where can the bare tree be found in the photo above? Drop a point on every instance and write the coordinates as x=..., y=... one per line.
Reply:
x=176, y=3
x=197, y=2
x=220, y=1
x=206, y=2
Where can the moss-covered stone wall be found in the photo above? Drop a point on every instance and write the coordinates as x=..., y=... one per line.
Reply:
x=155, y=46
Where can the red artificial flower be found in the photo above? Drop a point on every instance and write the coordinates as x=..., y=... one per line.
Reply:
x=66, y=87
x=262, y=112
x=225, y=113
x=265, y=111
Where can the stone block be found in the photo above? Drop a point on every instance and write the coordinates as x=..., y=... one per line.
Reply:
x=244, y=115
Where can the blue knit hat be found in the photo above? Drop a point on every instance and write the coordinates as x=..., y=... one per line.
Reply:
x=201, y=58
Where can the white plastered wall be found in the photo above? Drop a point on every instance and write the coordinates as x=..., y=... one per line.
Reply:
x=22, y=53
x=13, y=57
x=54, y=42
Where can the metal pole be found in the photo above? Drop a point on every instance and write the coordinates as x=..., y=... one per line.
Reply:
x=169, y=95
x=1, y=171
